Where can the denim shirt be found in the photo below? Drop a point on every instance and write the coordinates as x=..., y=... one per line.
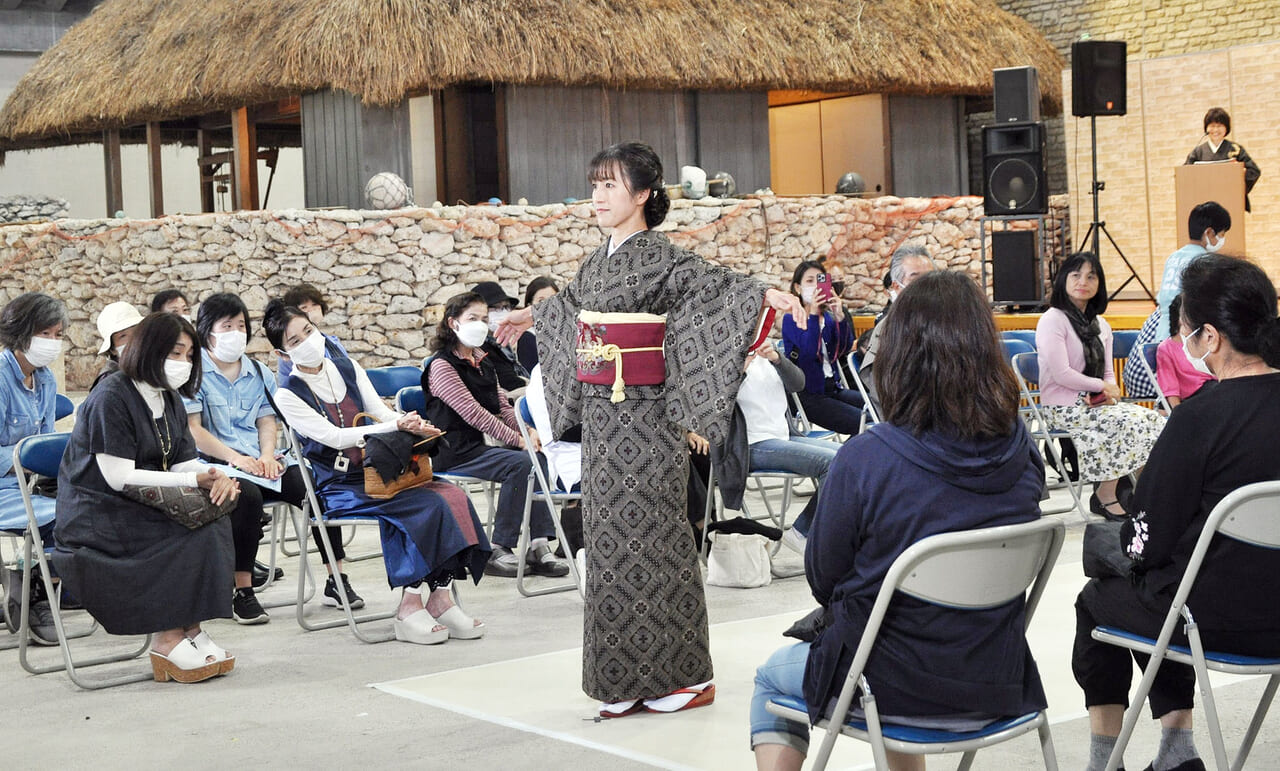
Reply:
x=230, y=410
x=24, y=411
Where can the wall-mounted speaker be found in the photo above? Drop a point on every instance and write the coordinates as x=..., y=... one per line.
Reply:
x=1017, y=94
x=1015, y=278
x=1013, y=169
x=1098, y=77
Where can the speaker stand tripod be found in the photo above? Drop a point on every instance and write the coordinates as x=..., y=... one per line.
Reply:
x=1098, y=228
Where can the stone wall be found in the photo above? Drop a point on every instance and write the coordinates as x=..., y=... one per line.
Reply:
x=31, y=208
x=387, y=274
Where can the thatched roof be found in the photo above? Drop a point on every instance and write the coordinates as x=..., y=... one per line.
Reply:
x=133, y=61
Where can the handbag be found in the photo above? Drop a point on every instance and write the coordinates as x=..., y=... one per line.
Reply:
x=738, y=560
x=606, y=340
x=1102, y=556
x=415, y=474
x=191, y=507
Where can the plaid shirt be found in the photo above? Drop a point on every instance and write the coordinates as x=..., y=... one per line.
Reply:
x=1136, y=382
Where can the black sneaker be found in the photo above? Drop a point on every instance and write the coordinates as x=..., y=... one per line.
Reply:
x=43, y=632
x=541, y=562
x=246, y=609
x=334, y=600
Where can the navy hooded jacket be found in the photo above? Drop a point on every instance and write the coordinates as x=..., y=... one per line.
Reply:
x=886, y=490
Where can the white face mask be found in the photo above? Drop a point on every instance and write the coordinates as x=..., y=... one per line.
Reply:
x=1214, y=246
x=229, y=346
x=496, y=318
x=42, y=351
x=119, y=351
x=472, y=333
x=806, y=294
x=309, y=352
x=893, y=295
x=176, y=373
x=1199, y=365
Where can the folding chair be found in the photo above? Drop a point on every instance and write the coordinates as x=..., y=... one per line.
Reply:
x=411, y=399
x=806, y=428
x=967, y=570
x=62, y=406
x=1014, y=346
x=1122, y=342
x=1027, y=368
x=1248, y=514
x=36, y=456
x=388, y=381
x=1027, y=336
x=312, y=514
x=870, y=416
x=555, y=498
x=1149, y=366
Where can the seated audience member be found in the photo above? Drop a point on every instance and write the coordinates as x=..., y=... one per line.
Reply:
x=310, y=301
x=465, y=399
x=951, y=455
x=564, y=463
x=430, y=534
x=817, y=350
x=171, y=301
x=136, y=570
x=1136, y=383
x=1207, y=227
x=1217, y=442
x=115, y=324
x=233, y=423
x=906, y=265
x=1078, y=390
x=538, y=290
x=511, y=376
x=31, y=327
x=760, y=435
x=1177, y=374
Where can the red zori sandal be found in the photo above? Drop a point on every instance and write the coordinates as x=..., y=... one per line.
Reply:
x=683, y=698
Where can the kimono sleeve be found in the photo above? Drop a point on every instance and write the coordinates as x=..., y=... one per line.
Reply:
x=555, y=321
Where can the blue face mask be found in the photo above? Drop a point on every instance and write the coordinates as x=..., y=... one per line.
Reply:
x=1198, y=364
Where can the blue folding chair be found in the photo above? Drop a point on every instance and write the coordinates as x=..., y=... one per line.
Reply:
x=1148, y=361
x=1027, y=336
x=967, y=570
x=555, y=498
x=1026, y=366
x=62, y=406
x=36, y=456
x=388, y=381
x=1013, y=347
x=1248, y=515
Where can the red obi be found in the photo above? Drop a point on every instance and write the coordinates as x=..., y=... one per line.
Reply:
x=621, y=349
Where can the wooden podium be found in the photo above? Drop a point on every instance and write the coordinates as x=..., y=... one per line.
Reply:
x=1222, y=182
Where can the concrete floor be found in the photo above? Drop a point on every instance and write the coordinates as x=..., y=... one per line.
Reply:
x=511, y=700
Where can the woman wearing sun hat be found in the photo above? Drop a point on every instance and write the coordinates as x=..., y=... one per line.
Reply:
x=115, y=325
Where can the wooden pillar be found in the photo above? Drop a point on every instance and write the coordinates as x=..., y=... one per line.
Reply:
x=155, y=184
x=204, y=147
x=244, y=155
x=111, y=162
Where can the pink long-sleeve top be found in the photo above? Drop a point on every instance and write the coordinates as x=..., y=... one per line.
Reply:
x=1062, y=377
x=446, y=384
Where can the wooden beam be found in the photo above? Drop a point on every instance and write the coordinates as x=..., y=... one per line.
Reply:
x=111, y=163
x=244, y=147
x=204, y=146
x=155, y=184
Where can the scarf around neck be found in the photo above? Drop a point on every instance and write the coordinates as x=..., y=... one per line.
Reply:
x=1086, y=328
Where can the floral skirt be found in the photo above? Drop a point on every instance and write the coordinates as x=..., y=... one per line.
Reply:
x=1111, y=441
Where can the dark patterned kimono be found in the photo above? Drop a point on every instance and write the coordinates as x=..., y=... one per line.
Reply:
x=1228, y=151
x=645, y=625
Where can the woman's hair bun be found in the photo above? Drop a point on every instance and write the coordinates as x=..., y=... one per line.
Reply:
x=656, y=208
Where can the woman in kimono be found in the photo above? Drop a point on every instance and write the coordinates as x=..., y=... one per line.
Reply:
x=645, y=640
x=1215, y=148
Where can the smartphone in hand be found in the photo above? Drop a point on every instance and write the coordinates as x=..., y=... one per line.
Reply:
x=823, y=294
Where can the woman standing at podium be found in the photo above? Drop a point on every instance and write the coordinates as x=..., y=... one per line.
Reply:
x=1215, y=147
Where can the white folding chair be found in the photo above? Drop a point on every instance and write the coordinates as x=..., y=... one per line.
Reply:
x=715, y=509
x=967, y=570
x=1149, y=366
x=35, y=456
x=870, y=415
x=555, y=499
x=312, y=514
x=1026, y=366
x=1250, y=514
x=411, y=399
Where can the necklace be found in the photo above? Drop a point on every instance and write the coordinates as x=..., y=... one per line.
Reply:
x=165, y=440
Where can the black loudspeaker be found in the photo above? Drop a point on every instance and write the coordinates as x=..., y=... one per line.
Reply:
x=1013, y=169
x=1014, y=277
x=1017, y=94
x=1098, y=78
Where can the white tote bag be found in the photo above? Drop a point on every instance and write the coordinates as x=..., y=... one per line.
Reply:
x=739, y=560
